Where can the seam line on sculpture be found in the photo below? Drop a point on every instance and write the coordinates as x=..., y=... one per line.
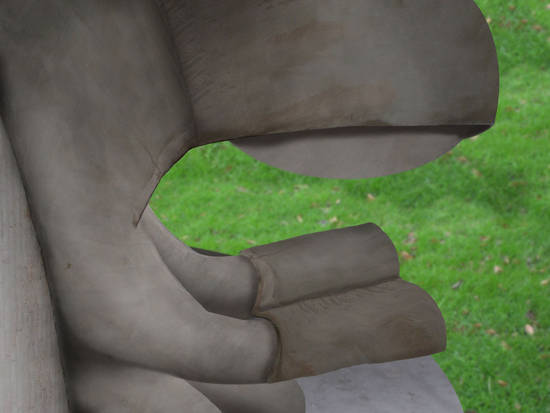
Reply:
x=253, y=252
x=221, y=136
x=178, y=64
x=157, y=174
x=338, y=292
x=272, y=373
x=191, y=128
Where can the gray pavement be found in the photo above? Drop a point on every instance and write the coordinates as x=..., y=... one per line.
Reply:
x=407, y=386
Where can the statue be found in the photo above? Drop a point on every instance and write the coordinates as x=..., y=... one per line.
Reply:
x=100, y=98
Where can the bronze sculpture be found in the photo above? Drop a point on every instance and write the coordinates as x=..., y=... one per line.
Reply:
x=100, y=98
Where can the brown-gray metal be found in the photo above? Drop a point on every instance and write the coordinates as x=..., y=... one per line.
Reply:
x=95, y=112
x=100, y=98
x=352, y=89
x=337, y=300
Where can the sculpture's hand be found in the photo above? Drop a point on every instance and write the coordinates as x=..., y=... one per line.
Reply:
x=223, y=284
x=98, y=109
x=335, y=296
x=117, y=298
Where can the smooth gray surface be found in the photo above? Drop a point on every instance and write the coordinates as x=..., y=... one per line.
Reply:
x=352, y=153
x=407, y=386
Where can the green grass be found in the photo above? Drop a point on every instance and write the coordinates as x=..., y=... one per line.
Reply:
x=484, y=205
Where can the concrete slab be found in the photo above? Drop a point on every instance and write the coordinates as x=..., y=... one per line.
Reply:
x=407, y=386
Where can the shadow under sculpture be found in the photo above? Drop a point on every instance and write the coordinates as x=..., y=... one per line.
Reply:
x=100, y=98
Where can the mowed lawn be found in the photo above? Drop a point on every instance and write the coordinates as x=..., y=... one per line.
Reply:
x=472, y=228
